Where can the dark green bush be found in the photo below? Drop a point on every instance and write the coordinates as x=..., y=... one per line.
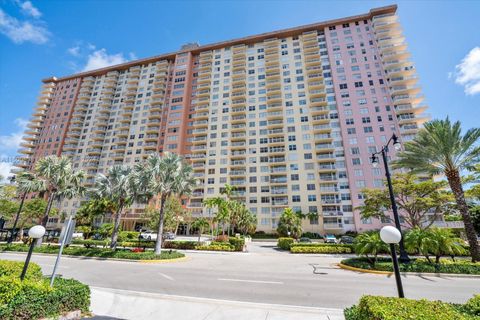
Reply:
x=263, y=235
x=311, y=235
x=128, y=236
x=33, y=298
x=285, y=243
x=237, y=243
x=320, y=249
x=307, y=244
x=417, y=265
x=388, y=308
x=96, y=252
x=91, y=243
x=473, y=305
x=181, y=245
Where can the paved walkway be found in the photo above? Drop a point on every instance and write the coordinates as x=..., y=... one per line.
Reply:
x=125, y=304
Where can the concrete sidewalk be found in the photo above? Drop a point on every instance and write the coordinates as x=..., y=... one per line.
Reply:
x=125, y=304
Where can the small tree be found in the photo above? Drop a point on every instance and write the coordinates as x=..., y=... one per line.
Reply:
x=93, y=209
x=289, y=224
x=370, y=244
x=200, y=224
x=416, y=199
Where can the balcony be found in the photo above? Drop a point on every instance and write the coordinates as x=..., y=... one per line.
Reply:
x=152, y=129
x=94, y=151
x=321, y=128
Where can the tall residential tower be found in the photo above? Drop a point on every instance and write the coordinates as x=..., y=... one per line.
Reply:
x=289, y=117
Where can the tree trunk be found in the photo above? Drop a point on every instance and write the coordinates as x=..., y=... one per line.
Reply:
x=45, y=216
x=158, y=243
x=455, y=183
x=116, y=226
x=47, y=209
x=199, y=234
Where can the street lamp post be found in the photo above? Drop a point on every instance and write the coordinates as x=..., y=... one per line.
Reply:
x=396, y=144
x=12, y=234
x=392, y=236
x=35, y=232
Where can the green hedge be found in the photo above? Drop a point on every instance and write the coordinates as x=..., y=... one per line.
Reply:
x=33, y=298
x=387, y=308
x=285, y=243
x=181, y=245
x=216, y=246
x=97, y=252
x=320, y=249
x=14, y=268
x=417, y=265
x=91, y=243
x=237, y=243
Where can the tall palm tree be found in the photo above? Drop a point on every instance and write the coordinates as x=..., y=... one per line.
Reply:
x=116, y=187
x=222, y=216
x=162, y=177
x=56, y=177
x=440, y=148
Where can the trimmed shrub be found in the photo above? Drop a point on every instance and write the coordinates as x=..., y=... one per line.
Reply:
x=285, y=243
x=263, y=235
x=97, y=252
x=91, y=243
x=320, y=249
x=387, y=308
x=307, y=244
x=33, y=298
x=137, y=244
x=237, y=243
x=417, y=265
x=473, y=305
x=14, y=269
x=216, y=246
x=181, y=245
x=311, y=235
x=129, y=236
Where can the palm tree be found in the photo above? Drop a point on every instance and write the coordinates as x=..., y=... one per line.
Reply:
x=290, y=224
x=56, y=177
x=418, y=240
x=115, y=187
x=223, y=212
x=370, y=243
x=440, y=148
x=163, y=177
x=247, y=221
x=200, y=224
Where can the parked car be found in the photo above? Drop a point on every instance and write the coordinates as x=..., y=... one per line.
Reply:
x=346, y=240
x=77, y=235
x=148, y=235
x=169, y=236
x=305, y=240
x=330, y=238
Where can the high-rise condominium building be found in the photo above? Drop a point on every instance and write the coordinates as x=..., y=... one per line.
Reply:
x=290, y=118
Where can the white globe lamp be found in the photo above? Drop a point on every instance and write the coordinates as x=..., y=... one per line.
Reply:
x=390, y=235
x=36, y=232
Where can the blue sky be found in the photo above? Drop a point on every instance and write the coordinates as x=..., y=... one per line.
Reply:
x=39, y=39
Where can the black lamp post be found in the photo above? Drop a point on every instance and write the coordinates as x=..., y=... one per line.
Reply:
x=392, y=236
x=35, y=232
x=396, y=144
x=13, y=233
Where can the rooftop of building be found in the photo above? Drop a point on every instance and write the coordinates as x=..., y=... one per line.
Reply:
x=195, y=48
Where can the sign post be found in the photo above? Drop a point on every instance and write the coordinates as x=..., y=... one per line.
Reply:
x=65, y=238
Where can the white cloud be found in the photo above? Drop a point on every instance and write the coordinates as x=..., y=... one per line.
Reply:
x=22, y=31
x=28, y=9
x=74, y=51
x=9, y=145
x=101, y=59
x=467, y=72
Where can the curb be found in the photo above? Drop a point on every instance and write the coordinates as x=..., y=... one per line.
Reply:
x=105, y=259
x=424, y=274
x=164, y=260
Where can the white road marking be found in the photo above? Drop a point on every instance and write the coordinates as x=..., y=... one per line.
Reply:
x=251, y=281
x=166, y=276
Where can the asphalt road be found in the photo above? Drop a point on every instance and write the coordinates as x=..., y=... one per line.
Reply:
x=262, y=275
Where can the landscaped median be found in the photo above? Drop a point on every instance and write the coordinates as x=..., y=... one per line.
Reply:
x=419, y=265
x=319, y=248
x=104, y=253
x=33, y=298
x=388, y=308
